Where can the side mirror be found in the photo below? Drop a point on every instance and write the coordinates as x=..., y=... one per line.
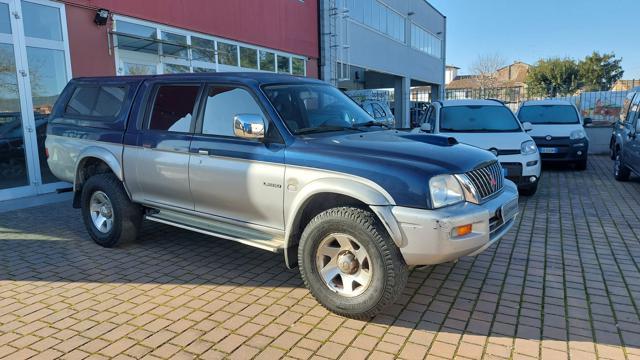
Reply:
x=248, y=126
x=426, y=127
x=526, y=126
x=588, y=121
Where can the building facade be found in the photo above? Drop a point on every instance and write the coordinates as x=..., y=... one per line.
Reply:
x=507, y=84
x=384, y=44
x=45, y=43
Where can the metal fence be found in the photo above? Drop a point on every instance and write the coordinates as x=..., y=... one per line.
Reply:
x=603, y=107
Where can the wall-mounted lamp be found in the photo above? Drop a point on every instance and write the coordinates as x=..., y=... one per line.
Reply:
x=102, y=15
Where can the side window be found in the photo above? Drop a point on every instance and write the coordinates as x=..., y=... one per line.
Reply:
x=96, y=101
x=634, y=110
x=222, y=103
x=368, y=107
x=378, y=111
x=625, y=109
x=173, y=108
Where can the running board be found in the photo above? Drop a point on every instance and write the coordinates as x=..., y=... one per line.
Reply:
x=218, y=229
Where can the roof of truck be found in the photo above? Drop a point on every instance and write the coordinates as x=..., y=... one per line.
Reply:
x=245, y=77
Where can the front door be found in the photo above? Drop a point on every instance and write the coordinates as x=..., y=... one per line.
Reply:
x=233, y=178
x=34, y=68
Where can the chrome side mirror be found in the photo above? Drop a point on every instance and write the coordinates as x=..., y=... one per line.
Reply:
x=248, y=126
x=526, y=126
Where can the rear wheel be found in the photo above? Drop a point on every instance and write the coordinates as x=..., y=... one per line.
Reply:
x=350, y=264
x=108, y=214
x=620, y=171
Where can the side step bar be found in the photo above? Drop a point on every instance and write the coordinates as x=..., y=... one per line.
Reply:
x=209, y=228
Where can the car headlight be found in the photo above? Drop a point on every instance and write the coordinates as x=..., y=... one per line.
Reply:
x=445, y=190
x=577, y=134
x=528, y=147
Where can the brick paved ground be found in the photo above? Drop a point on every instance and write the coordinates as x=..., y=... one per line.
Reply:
x=564, y=283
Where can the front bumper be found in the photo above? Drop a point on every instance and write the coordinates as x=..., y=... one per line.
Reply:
x=427, y=234
x=566, y=149
x=521, y=169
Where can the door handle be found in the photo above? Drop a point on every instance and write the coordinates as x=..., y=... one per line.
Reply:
x=203, y=152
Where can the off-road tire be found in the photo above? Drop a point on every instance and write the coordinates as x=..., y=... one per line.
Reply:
x=620, y=171
x=127, y=216
x=389, y=270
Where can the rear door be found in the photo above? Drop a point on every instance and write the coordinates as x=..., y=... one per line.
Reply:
x=160, y=163
x=232, y=178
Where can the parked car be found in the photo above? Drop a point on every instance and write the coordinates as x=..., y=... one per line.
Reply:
x=380, y=111
x=620, y=126
x=626, y=145
x=489, y=125
x=280, y=163
x=557, y=128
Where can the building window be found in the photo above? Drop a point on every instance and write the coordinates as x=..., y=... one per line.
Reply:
x=203, y=49
x=144, y=48
x=425, y=41
x=267, y=61
x=227, y=54
x=298, y=66
x=248, y=58
x=283, y=64
x=377, y=16
x=174, y=45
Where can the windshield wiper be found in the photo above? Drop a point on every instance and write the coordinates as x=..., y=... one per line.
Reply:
x=373, y=123
x=322, y=129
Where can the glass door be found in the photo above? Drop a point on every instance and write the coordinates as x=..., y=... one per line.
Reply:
x=34, y=68
x=15, y=149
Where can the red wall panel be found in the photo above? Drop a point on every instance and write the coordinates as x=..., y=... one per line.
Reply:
x=287, y=25
x=88, y=44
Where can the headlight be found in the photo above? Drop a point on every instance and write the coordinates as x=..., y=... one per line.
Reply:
x=445, y=190
x=528, y=147
x=578, y=134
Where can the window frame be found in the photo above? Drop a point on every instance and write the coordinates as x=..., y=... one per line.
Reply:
x=96, y=119
x=151, y=101
x=269, y=123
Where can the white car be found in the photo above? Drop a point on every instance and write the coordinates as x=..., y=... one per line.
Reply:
x=557, y=128
x=489, y=125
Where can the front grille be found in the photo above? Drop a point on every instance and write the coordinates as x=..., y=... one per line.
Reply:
x=487, y=180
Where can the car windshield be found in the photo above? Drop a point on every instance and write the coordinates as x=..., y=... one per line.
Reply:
x=549, y=114
x=314, y=108
x=478, y=118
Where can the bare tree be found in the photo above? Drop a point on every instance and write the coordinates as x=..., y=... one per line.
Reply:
x=485, y=68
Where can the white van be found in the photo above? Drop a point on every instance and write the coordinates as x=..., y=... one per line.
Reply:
x=489, y=125
x=557, y=128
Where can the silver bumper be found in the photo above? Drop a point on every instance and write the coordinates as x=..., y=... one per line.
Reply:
x=427, y=237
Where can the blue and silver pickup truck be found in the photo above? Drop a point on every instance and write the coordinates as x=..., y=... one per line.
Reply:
x=280, y=163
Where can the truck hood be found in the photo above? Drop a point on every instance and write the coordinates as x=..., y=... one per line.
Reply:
x=486, y=141
x=400, y=162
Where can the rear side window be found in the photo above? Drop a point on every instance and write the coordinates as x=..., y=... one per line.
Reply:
x=99, y=102
x=173, y=108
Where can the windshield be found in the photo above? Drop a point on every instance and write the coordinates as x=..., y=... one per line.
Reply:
x=549, y=114
x=478, y=118
x=310, y=108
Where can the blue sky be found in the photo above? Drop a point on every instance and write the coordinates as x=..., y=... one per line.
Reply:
x=528, y=30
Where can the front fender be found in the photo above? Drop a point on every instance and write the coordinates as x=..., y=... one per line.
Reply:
x=362, y=190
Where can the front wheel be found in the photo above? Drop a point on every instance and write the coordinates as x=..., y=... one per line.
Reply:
x=350, y=264
x=108, y=214
x=620, y=171
x=528, y=190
